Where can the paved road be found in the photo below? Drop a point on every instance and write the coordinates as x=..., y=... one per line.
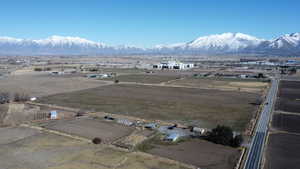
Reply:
x=256, y=148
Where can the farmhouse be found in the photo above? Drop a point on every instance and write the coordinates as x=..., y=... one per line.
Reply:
x=173, y=65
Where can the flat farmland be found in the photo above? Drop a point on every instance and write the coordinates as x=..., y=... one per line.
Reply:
x=202, y=107
x=145, y=78
x=3, y=112
x=289, y=96
x=283, y=152
x=41, y=84
x=286, y=122
x=42, y=150
x=200, y=153
x=223, y=84
x=90, y=128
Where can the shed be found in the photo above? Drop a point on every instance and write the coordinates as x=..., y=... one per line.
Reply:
x=151, y=126
x=172, y=137
x=125, y=122
x=53, y=114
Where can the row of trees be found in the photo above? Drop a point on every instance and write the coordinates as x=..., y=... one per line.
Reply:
x=224, y=135
x=5, y=97
x=38, y=69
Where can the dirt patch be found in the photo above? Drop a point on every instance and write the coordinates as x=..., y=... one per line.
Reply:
x=283, y=151
x=41, y=84
x=13, y=134
x=199, y=153
x=18, y=113
x=50, y=151
x=144, y=78
x=289, y=96
x=205, y=108
x=90, y=128
x=222, y=84
x=286, y=122
x=3, y=112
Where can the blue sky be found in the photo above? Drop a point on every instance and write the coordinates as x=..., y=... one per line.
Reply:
x=145, y=23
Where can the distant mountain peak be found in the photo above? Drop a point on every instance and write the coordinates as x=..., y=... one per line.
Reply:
x=225, y=43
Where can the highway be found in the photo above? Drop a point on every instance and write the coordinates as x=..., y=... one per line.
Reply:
x=256, y=148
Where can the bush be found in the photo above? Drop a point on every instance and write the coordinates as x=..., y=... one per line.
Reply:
x=47, y=69
x=237, y=141
x=4, y=98
x=38, y=69
x=221, y=135
x=21, y=97
x=224, y=135
x=80, y=113
x=97, y=140
x=93, y=69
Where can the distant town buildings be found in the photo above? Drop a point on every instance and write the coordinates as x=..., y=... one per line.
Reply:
x=173, y=65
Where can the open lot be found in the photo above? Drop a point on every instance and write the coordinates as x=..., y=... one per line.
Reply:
x=144, y=78
x=289, y=96
x=283, y=151
x=3, y=112
x=90, y=128
x=222, y=84
x=41, y=84
x=38, y=150
x=286, y=122
x=200, y=153
x=17, y=113
x=205, y=108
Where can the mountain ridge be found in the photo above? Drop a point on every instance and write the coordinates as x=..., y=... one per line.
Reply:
x=226, y=43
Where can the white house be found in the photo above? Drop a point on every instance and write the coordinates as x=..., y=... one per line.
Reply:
x=173, y=65
x=53, y=114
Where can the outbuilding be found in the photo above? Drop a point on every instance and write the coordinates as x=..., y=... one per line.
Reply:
x=53, y=114
x=172, y=137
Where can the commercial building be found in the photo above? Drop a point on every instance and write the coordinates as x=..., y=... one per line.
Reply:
x=173, y=65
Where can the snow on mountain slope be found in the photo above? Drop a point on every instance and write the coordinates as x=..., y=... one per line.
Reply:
x=60, y=40
x=58, y=45
x=225, y=43
x=288, y=40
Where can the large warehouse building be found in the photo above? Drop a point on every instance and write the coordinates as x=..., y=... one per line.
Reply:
x=173, y=65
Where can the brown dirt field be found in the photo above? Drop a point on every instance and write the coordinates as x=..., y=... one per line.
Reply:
x=222, y=84
x=286, y=122
x=18, y=113
x=205, y=108
x=283, y=152
x=200, y=153
x=289, y=96
x=90, y=128
x=144, y=78
x=40, y=84
x=36, y=150
x=3, y=111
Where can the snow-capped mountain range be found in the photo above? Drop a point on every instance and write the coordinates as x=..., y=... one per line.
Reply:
x=226, y=43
